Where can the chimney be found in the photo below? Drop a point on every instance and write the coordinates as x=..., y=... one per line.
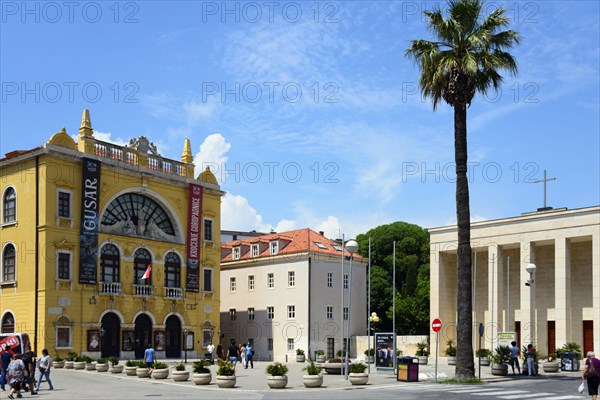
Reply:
x=322, y=233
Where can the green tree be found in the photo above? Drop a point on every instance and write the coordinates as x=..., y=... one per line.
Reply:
x=466, y=57
x=412, y=275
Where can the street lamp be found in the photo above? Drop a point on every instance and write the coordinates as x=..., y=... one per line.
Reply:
x=352, y=247
x=531, y=269
x=185, y=339
x=373, y=318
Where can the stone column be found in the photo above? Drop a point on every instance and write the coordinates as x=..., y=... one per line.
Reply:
x=596, y=284
x=562, y=290
x=494, y=274
x=527, y=256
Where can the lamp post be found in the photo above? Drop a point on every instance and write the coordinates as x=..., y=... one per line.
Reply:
x=531, y=269
x=185, y=338
x=373, y=318
x=352, y=247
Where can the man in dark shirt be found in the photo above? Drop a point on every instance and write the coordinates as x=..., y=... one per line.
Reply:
x=5, y=357
x=29, y=359
x=233, y=353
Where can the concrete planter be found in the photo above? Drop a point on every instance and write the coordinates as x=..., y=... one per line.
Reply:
x=333, y=368
x=130, y=371
x=300, y=358
x=224, y=381
x=369, y=359
x=115, y=369
x=358, y=379
x=202, y=379
x=277, y=382
x=423, y=360
x=58, y=364
x=102, y=367
x=80, y=365
x=451, y=360
x=312, y=381
x=500, y=369
x=180, y=376
x=90, y=366
x=551, y=366
x=485, y=361
x=142, y=372
x=320, y=358
x=69, y=364
x=162, y=373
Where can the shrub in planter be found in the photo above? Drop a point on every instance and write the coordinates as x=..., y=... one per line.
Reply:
x=484, y=356
x=71, y=356
x=369, y=353
x=130, y=367
x=82, y=362
x=500, y=360
x=357, y=374
x=101, y=365
x=115, y=367
x=300, y=357
x=225, y=374
x=451, y=352
x=422, y=353
x=201, y=375
x=180, y=374
x=320, y=355
x=161, y=371
x=58, y=362
x=141, y=370
x=278, y=378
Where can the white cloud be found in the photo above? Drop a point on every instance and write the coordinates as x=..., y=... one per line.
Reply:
x=237, y=214
x=196, y=112
x=212, y=151
x=105, y=137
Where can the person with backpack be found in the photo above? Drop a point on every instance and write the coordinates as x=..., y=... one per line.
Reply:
x=16, y=376
x=249, y=355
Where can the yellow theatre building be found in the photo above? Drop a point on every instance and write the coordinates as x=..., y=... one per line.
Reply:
x=106, y=249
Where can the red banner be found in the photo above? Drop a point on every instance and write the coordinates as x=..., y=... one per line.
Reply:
x=194, y=238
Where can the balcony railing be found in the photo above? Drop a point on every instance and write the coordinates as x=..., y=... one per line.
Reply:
x=143, y=290
x=113, y=288
x=174, y=293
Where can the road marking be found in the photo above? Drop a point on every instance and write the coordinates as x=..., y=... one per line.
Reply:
x=500, y=392
x=563, y=397
x=525, y=396
x=478, y=390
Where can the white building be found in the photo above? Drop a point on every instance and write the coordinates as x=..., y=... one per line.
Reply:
x=565, y=247
x=283, y=291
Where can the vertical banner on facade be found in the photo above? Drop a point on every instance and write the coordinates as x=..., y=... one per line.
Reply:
x=384, y=350
x=88, y=237
x=193, y=239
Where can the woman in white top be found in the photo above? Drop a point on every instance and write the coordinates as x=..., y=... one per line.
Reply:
x=44, y=364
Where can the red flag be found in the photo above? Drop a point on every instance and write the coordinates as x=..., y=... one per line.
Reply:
x=147, y=273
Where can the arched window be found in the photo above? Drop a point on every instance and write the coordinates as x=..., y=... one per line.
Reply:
x=8, y=323
x=141, y=261
x=109, y=264
x=8, y=263
x=9, y=213
x=172, y=270
x=63, y=333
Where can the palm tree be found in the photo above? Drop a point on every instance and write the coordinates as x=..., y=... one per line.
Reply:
x=465, y=58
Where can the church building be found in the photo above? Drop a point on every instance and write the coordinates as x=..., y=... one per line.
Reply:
x=106, y=248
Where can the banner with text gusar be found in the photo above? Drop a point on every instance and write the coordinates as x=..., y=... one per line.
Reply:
x=192, y=273
x=88, y=236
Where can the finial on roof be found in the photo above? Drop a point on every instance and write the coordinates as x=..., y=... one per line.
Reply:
x=187, y=156
x=86, y=124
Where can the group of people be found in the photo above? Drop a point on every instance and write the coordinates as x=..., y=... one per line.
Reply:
x=18, y=371
x=244, y=353
x=529, y=356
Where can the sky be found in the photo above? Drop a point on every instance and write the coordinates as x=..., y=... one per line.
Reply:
x=309, y=113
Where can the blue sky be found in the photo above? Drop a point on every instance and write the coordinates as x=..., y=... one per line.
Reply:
x=309, y=111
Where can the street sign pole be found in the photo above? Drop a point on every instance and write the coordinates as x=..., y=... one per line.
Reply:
x=480, y=335
x=436, y=325
x=437, y=335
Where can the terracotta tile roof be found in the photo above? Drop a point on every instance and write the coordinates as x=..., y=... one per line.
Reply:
x=291, y=242
x=17, y=153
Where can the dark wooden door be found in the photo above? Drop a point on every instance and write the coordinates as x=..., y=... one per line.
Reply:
x=551, y=337
x=588, y=336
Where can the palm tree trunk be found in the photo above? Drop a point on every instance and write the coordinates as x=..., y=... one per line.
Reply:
x=465, y=367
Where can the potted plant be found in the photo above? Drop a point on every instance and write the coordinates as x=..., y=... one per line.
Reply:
x=70, y=360
x=334, y=366
x=484, y=356
x=225, y=374
x=313, y=377
x=130, y=367
x=85, y=362
x=58, y=362
x=201, y=374
x=102, y=365
x=422, y=353
x=300, y=357
x=142, y=371
x=451, y=352
x=369, y=353
x=161, y=370
x=180, y=374
x=277, y=375
x=114, y=366
x=341, y=353
x=357, y=374
x=320, y=355
x=500, y=361
x=551, y=364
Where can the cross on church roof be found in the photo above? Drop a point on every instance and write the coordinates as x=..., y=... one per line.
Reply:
x=544, y=180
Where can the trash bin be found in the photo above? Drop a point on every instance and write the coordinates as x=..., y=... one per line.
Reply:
x=569, y=361
x=408, y=369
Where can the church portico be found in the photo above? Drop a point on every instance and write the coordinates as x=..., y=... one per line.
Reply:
x=563, y=245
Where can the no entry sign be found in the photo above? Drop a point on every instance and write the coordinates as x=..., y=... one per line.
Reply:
x=436, y=325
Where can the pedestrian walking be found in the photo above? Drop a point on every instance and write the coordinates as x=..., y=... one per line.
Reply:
x=45, y=363
x=514, y=357
x=591, y=373
x=150, y=358
x=233, y=353
x=243, y=354
x=220, y=352
x=249, y=355
x=531, y=360
x=16, y=376
x=5, y=358
x=30, y=361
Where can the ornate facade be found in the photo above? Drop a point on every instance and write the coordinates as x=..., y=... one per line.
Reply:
x=107, y=248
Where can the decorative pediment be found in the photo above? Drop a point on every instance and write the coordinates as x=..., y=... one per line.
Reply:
x=143, y=145
x=62, y=139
